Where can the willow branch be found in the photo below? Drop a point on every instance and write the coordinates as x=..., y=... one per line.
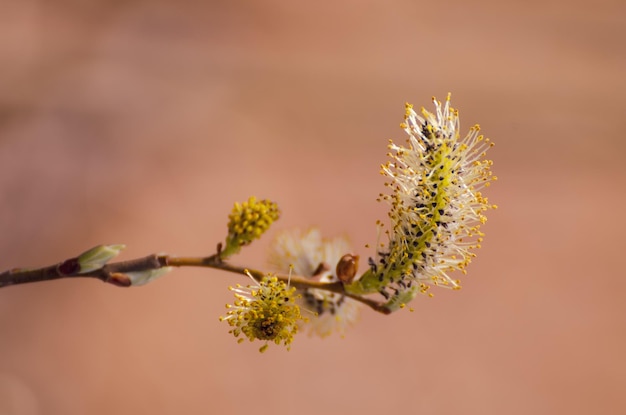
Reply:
x=115, y=273
x=110, y=273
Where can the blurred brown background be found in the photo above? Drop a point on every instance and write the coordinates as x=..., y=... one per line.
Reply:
x=141, y=122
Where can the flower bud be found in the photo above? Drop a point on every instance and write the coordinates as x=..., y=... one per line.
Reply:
x=97, y=257
x=143, y=277
x=247, y=222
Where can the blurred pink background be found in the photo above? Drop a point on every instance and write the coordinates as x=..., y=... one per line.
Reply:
x=142, y=122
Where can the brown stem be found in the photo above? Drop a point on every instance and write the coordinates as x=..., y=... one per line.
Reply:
x=296, y=281
x=114, y=273
x=70, y=269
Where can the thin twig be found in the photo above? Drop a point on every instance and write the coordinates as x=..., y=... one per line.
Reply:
x=115, y=273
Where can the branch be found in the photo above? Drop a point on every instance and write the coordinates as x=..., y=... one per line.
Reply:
x=117, y=274
x=70, y=268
